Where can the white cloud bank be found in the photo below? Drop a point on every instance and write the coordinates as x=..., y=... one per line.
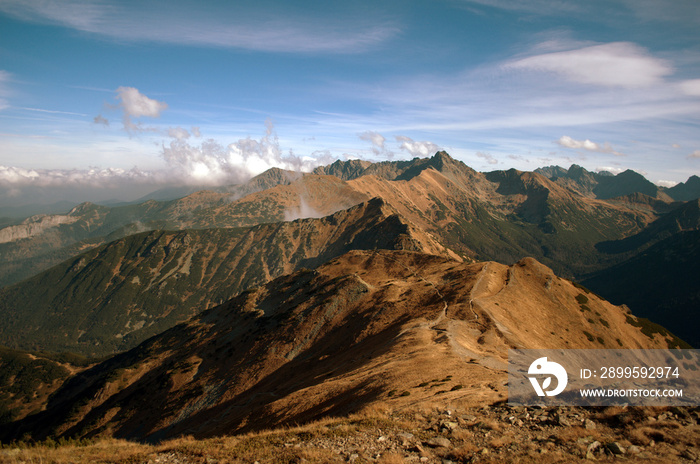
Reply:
x=211, y=163
x=206, y=164
x=11, y=176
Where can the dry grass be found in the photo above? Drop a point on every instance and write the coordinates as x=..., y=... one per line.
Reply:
x=391, y=458
x=464, y=453
x=488, y=424
x=381, y=435
x=105, y=451
x=462, y=434
x=571, y=434
x=644, y=435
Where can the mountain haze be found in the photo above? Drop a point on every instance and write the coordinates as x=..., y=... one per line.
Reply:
x=42, y=241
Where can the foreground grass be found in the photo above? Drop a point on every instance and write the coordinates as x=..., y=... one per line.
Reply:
x=282, y=445
x=434, y=435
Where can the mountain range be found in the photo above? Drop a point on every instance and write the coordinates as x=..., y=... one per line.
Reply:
x=295, y=296
x=399, y=327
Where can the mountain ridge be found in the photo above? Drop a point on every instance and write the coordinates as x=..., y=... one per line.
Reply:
x=116, y=295
x=332, y=340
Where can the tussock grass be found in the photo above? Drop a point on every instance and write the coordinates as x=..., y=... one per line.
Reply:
x=385, y=435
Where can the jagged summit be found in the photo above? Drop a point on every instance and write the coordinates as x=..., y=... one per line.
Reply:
x=346, y=170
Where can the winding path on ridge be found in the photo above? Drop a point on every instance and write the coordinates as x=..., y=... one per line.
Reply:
x=490, y=281
x=443, y=314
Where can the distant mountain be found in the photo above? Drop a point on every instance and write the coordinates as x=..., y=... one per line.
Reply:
x=625, y=183
x=478, y=215
x=163, y=194
x=685, y=191
x=501, y=216
x=111, y=298
x=268, y=179
x=345, y=170
x=552, y=172
x=22, y=212
x=661, y=284
x=43, y=241
x=389, y=170
x=685, y=217
x=603, y=185
x=505, y=215
x=369, y=327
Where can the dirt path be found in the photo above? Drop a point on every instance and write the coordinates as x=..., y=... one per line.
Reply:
x=443, y=313
x=448, y=331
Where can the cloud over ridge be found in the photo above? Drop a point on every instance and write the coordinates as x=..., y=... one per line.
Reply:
x=567, y=142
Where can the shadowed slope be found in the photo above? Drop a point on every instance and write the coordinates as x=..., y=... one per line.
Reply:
x=115, y=296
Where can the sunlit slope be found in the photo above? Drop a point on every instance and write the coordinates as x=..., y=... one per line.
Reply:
x=396, y=327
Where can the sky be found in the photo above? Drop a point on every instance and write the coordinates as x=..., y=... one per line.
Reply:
x=107, y=99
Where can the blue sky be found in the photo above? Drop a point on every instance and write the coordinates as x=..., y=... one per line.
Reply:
x=115, y=98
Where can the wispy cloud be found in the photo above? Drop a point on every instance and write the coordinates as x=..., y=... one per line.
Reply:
x=611, y=169
x=620, y=64
x=207, y=25
x=691, y=87
x=514, y=94
x=99, y=119
x=530, y=6
x=680, y=11
x=377, y=140
x=487, y=157
x=41, y=110
x=666, y=183
x=567, y=142
x=4, y=79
